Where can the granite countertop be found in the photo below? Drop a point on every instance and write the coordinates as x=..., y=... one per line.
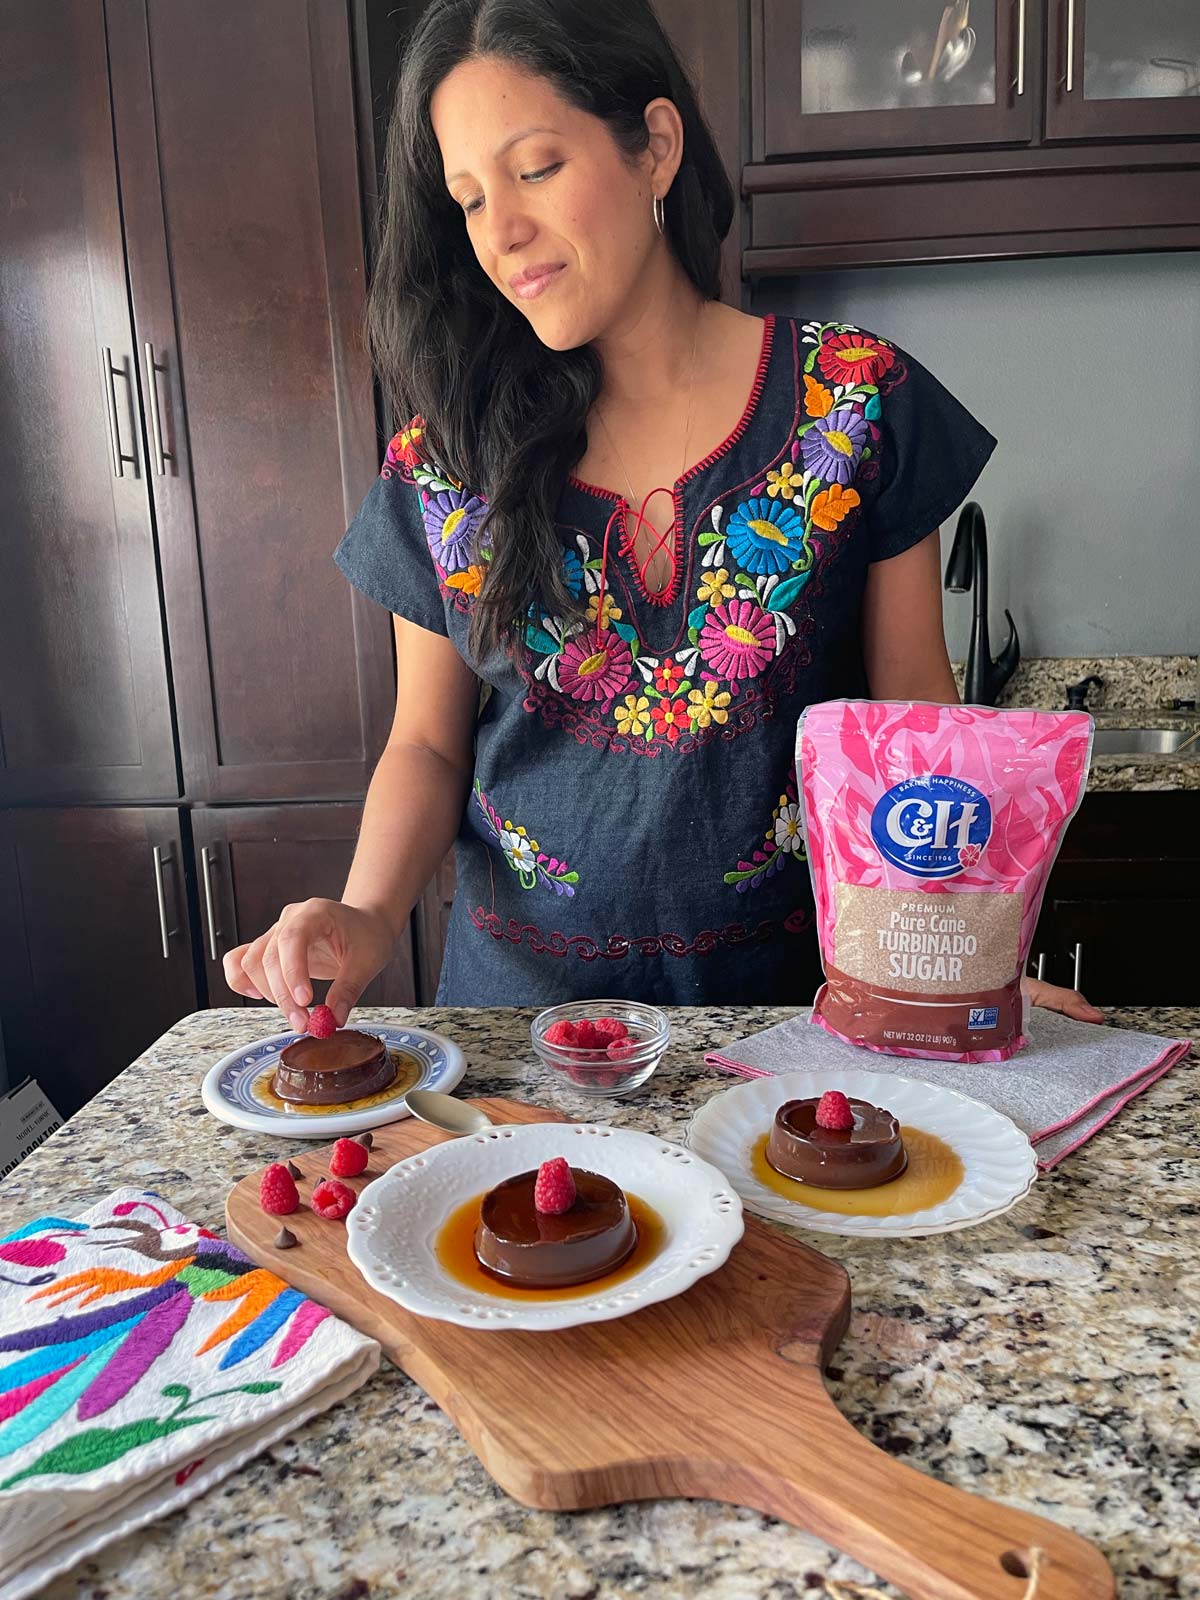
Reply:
x=1045, y=1359
x=1134, y=692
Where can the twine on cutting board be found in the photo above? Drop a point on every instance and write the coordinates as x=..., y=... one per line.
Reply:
x=839, y=1589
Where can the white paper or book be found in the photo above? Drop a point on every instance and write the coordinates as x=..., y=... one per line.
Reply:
x=27, y=1119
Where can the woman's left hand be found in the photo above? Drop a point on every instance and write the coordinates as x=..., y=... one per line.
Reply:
x=1069, y=1001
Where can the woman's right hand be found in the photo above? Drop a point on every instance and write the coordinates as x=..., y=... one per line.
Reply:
x=315, y=939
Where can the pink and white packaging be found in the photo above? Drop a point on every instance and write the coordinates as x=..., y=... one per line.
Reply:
x=931, y=831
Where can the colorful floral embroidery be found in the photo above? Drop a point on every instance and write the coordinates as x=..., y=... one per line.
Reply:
x=743, y=638
x=765, y=536
x=854, y=358
x=454, y=517
x=782, y=482
x=833, y=444
x=633, y=715
x=595, y=669
x=524, y=855
x=92, y=1359
x=782, y=840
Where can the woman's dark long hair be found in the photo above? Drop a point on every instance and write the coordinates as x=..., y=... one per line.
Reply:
x=508, y=415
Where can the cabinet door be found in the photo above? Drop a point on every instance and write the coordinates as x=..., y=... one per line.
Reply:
x=79, y=608
x=709, y=41
x=237, y=148
x=1135, y=951
x=95, y=949
x=433, y=919
x=254, y=860
x=1117, y=70
x=857, y=75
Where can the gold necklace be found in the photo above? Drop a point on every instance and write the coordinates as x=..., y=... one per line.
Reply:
x=687, y=435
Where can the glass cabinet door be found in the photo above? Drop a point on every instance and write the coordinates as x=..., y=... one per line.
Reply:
x=1122, y=69
x=838, y=75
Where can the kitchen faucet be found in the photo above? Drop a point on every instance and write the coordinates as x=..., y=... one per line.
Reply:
x=967, y=568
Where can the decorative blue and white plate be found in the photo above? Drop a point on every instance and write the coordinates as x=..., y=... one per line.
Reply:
x=238, y=1090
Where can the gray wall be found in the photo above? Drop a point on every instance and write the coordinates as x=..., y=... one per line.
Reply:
x=1088, y=372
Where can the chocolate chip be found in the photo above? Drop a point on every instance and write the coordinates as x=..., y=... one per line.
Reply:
x=365, y=1139
x=285, y=1239
x=294, y=1170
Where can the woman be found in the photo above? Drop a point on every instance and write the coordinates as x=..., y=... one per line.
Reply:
x=544, y=307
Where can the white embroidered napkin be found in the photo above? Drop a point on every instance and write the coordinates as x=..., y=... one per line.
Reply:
x=1069, y=1081
x=142, y=1359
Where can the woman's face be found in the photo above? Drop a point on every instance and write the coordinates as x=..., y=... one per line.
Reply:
x=559, y=218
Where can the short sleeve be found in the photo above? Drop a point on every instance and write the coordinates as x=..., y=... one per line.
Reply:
x=385, y=554
x=930, y=451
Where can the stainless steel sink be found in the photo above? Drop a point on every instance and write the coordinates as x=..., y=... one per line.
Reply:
x=1143, y=741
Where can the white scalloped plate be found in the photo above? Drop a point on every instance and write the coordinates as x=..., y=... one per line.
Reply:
x=392, y=1231
x=998, y=1160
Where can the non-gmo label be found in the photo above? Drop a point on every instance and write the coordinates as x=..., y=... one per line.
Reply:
x=983, y=1017
x=933, y=826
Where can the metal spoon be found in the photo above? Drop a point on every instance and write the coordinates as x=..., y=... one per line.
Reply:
x=445, y=1112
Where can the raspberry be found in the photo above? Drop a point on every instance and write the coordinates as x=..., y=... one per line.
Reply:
x=322, y=1023
x=347, y=1159
x=833, y=1112
x=277, y=1193
x=332, y=1199
x=611, y=1029
x=560, y=1033
x=589, y=1037
x=622, y=1049
x=554, y=1191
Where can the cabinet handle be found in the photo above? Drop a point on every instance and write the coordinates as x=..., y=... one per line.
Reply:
x=209, y=913
x=109, y=374
x=1021, y=60
x=159, y=890
x=1041, y=966
x=1078, y=963
x=1070, y=45
x=153, y=368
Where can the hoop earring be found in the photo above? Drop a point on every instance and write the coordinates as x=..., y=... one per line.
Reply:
x=660, y=215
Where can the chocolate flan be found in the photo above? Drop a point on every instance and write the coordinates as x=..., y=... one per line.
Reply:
x=323, y=1072
x=521, y=1245
x=869, y=1153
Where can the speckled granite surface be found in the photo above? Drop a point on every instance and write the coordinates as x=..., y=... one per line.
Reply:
x=1046, y=1359
x=1129, y=683
x=1135, y=691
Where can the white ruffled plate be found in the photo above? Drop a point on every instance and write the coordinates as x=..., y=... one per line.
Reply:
x=998, y=1160
x=392, y=1231
x=228, y=1087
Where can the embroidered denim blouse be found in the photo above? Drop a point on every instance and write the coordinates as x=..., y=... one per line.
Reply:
x=633, y=828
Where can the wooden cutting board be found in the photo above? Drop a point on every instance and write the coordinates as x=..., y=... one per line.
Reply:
x=716, y=1394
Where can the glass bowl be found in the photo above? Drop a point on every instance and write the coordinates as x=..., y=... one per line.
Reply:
x=624, y=1065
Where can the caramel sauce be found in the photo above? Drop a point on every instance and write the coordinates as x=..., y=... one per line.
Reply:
x=932, y=1175
x=455, y=1250
x=408, y=1071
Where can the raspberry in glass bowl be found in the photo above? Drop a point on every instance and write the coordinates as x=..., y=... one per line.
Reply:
x=601, y=1047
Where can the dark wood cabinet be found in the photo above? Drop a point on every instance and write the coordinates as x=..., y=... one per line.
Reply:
x=837, y=75
x=251, y=861
x=882, y=135
x=1115, y=70
x=84, y=703
x=188, y=424
x=1123, y=901
x=238, y=155
x=95, y=945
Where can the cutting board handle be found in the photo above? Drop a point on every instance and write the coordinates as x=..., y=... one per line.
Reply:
x=933, y=1541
